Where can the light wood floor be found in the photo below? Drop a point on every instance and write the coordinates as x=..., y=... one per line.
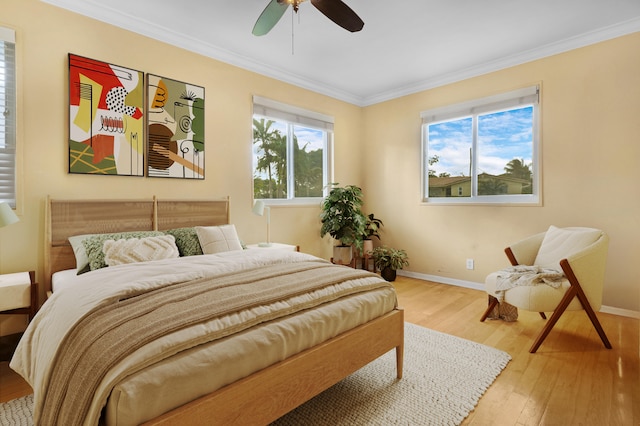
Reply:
x=571, y=380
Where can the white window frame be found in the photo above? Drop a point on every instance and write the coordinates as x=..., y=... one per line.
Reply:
x=8, y=117
x=504, y=101
x=292, y=115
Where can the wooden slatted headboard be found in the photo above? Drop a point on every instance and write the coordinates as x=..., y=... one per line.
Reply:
x=65, y=218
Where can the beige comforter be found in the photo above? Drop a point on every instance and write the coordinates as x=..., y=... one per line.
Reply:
x=59, y=397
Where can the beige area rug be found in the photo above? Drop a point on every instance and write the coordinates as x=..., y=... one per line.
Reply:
x=17, y=412
x=444, y=378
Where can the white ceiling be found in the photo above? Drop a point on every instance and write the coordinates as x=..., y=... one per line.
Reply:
x=405, y=46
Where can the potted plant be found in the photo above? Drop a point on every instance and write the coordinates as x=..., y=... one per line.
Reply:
x=342, y=218
x=371, y=229
x=389, y=260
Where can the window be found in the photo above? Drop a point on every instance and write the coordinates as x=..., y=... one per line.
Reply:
x=483, y=151
x=7, y=117
x=291, y=152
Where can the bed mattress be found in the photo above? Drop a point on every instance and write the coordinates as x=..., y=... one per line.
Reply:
x=133, y=397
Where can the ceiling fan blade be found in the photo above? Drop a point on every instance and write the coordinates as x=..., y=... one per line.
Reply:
x=269, y=17
x=339, y=13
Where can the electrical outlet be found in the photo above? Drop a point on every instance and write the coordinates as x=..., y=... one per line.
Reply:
x=469, y=263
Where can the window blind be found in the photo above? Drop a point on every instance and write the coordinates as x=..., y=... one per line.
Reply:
x=292, y=114
x=7, y=116
x=525, y=96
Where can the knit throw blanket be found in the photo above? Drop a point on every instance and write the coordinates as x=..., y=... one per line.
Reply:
x=520, y=275
x=107, y=334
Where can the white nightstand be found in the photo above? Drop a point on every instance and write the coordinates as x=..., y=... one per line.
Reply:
x=19, y=294
x=273, y=246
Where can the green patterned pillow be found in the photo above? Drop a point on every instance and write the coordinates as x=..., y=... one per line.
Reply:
x=186, y=240
x=82, y=261
x=93, y=245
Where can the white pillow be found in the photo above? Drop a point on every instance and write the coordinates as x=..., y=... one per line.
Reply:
x=118, y=252
x=560, y=243
x=216, y=239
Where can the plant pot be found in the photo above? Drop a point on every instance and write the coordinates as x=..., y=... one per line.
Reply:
x=388, y=274
x=342, y=255
x=367, y=246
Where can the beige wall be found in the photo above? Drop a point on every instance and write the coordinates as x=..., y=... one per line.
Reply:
x=590, y=150
x=590, y=153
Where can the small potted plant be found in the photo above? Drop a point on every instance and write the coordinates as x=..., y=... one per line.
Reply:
x=371, y=229
x=342, y=218
x=389, y=260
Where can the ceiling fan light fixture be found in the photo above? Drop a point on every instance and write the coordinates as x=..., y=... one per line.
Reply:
x=294, y=3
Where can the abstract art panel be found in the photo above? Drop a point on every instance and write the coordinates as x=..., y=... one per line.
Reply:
x=106, y=118
x=175, y=129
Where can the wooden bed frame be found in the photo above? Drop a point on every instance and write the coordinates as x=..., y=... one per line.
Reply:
x=265, y=395
x=65, y=218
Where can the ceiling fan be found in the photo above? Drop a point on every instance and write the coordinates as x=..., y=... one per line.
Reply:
x=335, y=10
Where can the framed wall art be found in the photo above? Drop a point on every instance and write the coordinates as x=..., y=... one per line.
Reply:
x=175, y=129
x=106, y=118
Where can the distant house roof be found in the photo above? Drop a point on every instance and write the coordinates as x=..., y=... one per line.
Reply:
x=506, y=177
x=444, y=182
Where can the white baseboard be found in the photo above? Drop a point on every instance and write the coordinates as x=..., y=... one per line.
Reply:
x=619, y=311
x=442, y=280
x=480, y=286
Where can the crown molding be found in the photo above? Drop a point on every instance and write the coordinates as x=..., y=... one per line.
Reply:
x=102, y=12
x=576, y=42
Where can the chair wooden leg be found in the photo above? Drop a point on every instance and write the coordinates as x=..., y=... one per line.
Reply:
x=585, y=303
x=574, y=290
x=493, y=301
x=562, y=306
x=542, y=315
x=594, y=319
x=566, y=267
x=492, y=304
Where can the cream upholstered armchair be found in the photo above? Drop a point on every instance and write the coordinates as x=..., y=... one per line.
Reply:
x=580, y=253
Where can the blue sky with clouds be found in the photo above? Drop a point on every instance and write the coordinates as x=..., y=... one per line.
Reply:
x=502, y=136
x=312, y=138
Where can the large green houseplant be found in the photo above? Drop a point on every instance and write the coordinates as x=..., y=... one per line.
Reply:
x=388, y=260
x=342, y=219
